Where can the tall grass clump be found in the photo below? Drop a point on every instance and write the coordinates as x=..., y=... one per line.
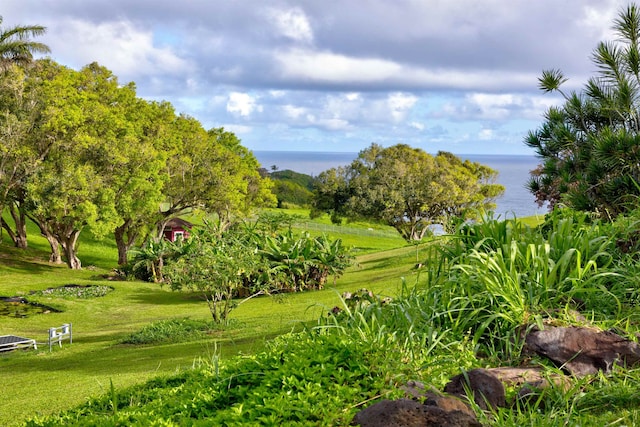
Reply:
x=502, y=276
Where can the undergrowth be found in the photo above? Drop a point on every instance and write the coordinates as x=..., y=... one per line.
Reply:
x=171, y=330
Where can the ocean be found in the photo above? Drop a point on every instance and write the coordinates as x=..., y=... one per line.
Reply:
x=513, y=174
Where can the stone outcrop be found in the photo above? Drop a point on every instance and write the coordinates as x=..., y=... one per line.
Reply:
x=583, y=351
x=578, y=351
x=488, y=391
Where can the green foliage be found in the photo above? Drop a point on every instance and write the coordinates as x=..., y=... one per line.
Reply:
x=76, y=291
x=405, y=188
x=171, y=330
x=80, y=150
x=291, y=194
x=16, y=46
x=292, y=188
x=589, y=145
x=302, y=180
x=216, y=264
x=474, y=293
x=251, y=259
x=303, y=263
x=147, y=261
x=502, y=276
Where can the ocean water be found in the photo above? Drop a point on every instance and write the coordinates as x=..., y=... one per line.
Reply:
x=513, y=174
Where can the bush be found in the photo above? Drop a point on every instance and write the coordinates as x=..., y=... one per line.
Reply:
x=172, y=330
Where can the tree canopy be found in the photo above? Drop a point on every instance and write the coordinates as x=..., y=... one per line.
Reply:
x=81, y=150
x=406, y=188
x=590, y=145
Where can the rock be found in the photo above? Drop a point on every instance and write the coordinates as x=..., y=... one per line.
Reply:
x=409, y=413
x=417, y=391
x=583, y=351
x=531, y=376
x=488, y=390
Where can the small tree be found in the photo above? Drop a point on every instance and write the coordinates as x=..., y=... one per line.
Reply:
x=216, y=265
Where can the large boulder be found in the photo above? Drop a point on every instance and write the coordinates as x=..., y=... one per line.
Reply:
x=583, y=351
x=409, y=413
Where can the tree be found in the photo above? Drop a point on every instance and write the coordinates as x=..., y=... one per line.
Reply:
x=142, y=173
x=16, y=46
x=214, y=263
x=73, y=188
x=211, y=171
x=18, y=153
x=406, y=188
x=590, y=145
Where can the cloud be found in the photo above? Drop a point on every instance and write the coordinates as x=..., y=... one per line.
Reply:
x=128, y=50
x=329, y=67
x=309, y=75
x=292, y=23
x=242, y=104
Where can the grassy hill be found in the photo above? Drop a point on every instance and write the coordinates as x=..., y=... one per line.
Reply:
x=457, y=303
x=43, y=382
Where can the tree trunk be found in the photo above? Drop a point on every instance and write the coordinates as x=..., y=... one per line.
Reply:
x=20, y=220
x=19, y=235
x=55, y=257
x=125, y=238
x=69, y=240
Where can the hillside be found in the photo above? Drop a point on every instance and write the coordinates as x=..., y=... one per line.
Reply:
x=37, y=382
x=292, y=189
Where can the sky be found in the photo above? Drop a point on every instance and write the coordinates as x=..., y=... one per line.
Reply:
x=337, y=75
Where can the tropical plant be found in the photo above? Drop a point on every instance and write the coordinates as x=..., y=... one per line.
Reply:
x=16, y=46
x=216, y=264
x=305, y=262
x=147, y=261
x=502, y=277
x=588, y=146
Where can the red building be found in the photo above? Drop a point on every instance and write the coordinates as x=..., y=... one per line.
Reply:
x=176, y=229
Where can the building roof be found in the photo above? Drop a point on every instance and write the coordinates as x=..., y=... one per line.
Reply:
x=178, y=223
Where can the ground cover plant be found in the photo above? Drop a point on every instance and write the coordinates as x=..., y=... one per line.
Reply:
x=461, y=308
x=75, y=291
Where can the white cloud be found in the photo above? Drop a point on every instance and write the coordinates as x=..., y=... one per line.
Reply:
x=417, y=125
x=400, y=104
x=294, y=112
x=293, y=24
x=486, y=135
x=238, y=129
x=242, y=104
x=121, y=46
x=331, y=67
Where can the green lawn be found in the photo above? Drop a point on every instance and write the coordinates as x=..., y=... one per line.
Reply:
x=43, y=382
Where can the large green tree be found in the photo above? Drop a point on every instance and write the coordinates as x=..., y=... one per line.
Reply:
x=17, y=46
x=73, y=188
x=406, y=188
x=20, y=153
x=211, y=171
x=590, y=145
x=141, y=164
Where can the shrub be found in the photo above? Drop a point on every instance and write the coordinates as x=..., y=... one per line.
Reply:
x=172, y=330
